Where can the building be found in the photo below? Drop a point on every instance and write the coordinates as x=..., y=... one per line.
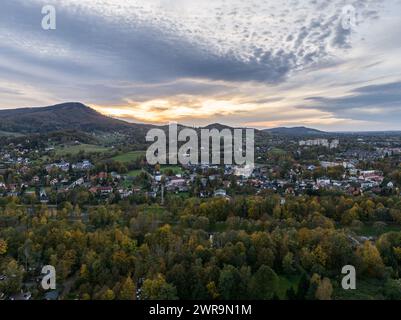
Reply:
x=320, y=142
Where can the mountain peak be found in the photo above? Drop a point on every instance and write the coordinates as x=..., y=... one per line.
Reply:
x=217, y=126
x=65, y=116
x=70, y=105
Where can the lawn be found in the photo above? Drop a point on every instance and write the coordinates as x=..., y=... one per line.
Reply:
x=75, y=149
x=129, y=156
x=134, y=173
x=370, y=230
x=174, y=169
x=155, y=211
x=30, y=190
x=365, y=290
x=277, y=151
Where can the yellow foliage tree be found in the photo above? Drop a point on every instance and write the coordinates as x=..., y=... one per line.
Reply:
x=324, y=290
x=371, y=260
x=3, y=247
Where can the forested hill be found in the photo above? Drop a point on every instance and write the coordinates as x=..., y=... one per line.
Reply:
x=66, y=116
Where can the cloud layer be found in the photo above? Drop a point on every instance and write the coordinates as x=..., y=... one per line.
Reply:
x=255, y=62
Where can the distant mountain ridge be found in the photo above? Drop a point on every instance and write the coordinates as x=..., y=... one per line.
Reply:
x=295, y=131
x=77, y=116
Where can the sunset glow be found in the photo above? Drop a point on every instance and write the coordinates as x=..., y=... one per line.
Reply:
x=240, y=63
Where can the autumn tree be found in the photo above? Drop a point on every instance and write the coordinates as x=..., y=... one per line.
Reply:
x=371, y=261
x=128, y=290
x=324, y=290
x=3, y=246
x=158, y=289
x=14, y=274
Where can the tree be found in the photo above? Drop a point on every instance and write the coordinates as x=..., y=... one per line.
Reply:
x=229, y=286
x=351, y=215
x=320, y=255
x=14, y=275
x=303, y=287
x=179, y=276
x=108, y=295
x=314, y=283
x=392, y=289
x=212, y=290
x=3, y=246
x=372, y=263
x=288, y=263
x=290, y=294
x=264, y=284
x=324, y=290
x=128, y=290
x=158, y=289
x=85, y=296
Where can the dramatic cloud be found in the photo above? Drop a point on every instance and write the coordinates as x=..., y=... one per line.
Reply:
x=381, y=102
x=282, y=62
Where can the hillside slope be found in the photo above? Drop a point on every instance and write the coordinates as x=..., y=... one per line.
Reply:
x=66, y=116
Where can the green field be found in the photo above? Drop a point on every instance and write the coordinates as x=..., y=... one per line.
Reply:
x=155, y=210
x=129, y=156
x=277, y=151
x=134, y=173
x=374, y=231
x=75, y=149
x=163, y=169
x=175, y=169
x=367, y=289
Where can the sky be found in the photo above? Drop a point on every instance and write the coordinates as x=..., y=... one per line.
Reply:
x=253, y=63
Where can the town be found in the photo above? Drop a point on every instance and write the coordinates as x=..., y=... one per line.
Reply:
x=42, y=175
